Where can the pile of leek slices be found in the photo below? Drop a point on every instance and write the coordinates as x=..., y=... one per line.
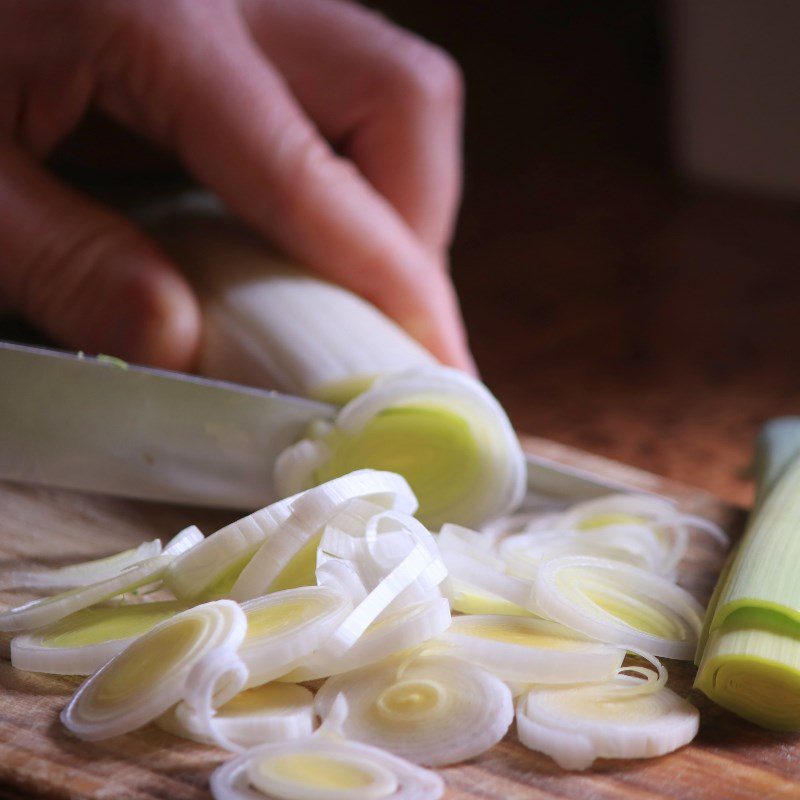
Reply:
x=212, y=638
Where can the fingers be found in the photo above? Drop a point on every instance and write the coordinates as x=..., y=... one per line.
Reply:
x=86, y=276
x=391, y=100
x=201, y=86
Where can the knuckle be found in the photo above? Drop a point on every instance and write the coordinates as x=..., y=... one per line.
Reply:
x=426, y=73
x=309, y=167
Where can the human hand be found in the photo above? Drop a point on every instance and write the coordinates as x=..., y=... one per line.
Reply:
x=247, y=96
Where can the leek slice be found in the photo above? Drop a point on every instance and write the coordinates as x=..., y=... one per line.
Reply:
x=299, y=533
x=82, y=642
x=285, y=627
x=183, y=540
x=440, y=429
x=577, y=724
x=750, y=660
x=488, y=577
x=220, y=557
x=272, y=712
x=152, y=673
x=51, y=609
x=657, y=513
x=395, y=565
x=217, y=677
x=322, y=767
x=376, y=557
x=416, y=564
x=619, y=603
x=479, y=580
x=389, y=634
x=644, y=530
x=523, y=553
x=74, y=576
x=431, y=710
x=530, y=650
x=468, y=599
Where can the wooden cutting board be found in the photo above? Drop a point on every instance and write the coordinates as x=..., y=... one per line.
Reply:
x=730, y=759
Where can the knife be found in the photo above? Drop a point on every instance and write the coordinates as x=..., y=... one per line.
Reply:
x=97, y=424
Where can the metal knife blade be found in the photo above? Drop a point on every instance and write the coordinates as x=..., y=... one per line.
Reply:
x=98, y=425
x=561, y=482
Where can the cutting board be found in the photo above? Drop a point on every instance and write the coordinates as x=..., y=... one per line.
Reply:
x=729, y=759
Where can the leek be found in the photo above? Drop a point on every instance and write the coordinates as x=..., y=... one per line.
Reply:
x=152, y=674
x=375, y=620
x=577, y=724
x=324, y=766
x=432, y=709
x=285, y=627
x=440, y=429
x=749, y=661
x=82, y=642
x=268, y=323
x=74, y=576
x=523, y=650
x=272, y=712
x=51, y=609
x=288, y=559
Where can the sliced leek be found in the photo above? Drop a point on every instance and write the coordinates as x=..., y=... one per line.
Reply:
x=74, y=576
x=389, y=634
x=77, y=575
x=322, y=767
x=293, y=549
x=286, y=627
x=442, y=430
x=214, y=563
x=468, y=599
x=487, y=577
x=183, y=540
x=619, y=603
x=412, y=568
x=272, y=712
x=82, y=642
x=523, y=650
x=750, y=659
x=215, y=679
x=577, y=724
x=432, y=709
x=152, y=673
x=645, y=530
x=51, y=609
x=635, y=544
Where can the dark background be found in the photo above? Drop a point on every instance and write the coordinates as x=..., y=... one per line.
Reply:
x=611, y=303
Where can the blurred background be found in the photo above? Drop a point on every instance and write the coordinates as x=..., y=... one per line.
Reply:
x=628, y=254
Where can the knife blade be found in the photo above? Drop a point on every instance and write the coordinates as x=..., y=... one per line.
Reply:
x=551, y=479
x=99, y=425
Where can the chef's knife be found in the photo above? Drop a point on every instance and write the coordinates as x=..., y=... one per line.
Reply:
x=100, y=425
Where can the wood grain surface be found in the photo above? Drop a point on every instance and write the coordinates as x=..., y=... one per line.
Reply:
x=729, y=759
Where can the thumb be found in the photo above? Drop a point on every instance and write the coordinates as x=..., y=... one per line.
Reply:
x=86, y=276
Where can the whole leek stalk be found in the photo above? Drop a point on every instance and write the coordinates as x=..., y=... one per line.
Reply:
x=749, y=655
x=268, y=323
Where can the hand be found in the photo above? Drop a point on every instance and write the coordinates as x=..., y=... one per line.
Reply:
x=247, y=96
